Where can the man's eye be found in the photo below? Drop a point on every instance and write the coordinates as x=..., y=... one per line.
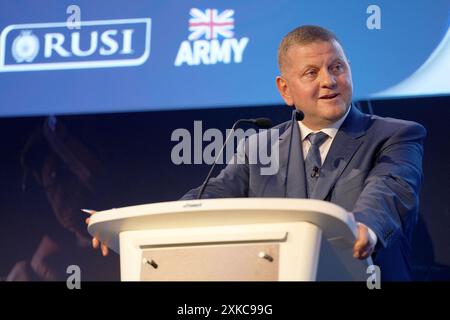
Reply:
x=311, y=73
x=338, y=68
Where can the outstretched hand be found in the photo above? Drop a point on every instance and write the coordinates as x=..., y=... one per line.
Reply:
x=95, y=242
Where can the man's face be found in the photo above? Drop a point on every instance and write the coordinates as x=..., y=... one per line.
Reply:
x=317, y=80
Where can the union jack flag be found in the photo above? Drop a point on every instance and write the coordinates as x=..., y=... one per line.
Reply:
x=211, y=24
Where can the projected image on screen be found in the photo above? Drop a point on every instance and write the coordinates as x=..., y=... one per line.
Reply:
x=154, y=55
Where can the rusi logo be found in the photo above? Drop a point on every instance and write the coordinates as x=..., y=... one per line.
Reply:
x=54, y=46
x=212, y=26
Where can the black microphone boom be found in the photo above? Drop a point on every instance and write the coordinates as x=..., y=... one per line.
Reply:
x=263, y=123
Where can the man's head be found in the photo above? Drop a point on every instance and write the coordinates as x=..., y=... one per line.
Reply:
x=315, y=75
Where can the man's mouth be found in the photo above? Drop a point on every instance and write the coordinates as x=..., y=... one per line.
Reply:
x=329, y=96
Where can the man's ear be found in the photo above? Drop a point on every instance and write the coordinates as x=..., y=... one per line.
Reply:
x=283, y=88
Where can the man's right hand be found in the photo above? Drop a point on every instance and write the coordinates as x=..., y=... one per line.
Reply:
x=95, y=242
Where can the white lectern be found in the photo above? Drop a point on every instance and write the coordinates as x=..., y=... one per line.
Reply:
x=232, y=239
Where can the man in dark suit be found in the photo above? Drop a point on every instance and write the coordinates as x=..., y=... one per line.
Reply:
x=369, y=165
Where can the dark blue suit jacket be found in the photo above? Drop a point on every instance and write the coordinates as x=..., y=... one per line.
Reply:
x=373, y=169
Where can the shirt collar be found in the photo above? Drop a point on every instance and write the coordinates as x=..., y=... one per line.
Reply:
x=331, y=131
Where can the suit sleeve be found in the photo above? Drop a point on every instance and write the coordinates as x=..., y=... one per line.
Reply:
x=390, y=196
x=232, y=182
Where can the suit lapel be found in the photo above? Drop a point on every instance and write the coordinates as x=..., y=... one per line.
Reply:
x=292, y=170
x=342, y=149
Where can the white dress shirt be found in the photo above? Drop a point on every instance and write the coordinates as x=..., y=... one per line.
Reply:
x=331, y=131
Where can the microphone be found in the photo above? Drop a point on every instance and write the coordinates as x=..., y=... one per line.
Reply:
x=299, y=115
x=315, y=172
x=263, y=123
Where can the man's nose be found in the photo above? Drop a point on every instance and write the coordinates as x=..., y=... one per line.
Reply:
x=328, y=80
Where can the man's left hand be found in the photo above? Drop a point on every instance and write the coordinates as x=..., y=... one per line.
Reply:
x=363, y=247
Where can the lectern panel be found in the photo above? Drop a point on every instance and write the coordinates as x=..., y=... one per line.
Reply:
x=224, y=262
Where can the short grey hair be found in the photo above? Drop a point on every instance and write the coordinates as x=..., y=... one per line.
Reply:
x=303, y=35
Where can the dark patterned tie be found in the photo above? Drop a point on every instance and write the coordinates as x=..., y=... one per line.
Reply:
x=313, y=161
